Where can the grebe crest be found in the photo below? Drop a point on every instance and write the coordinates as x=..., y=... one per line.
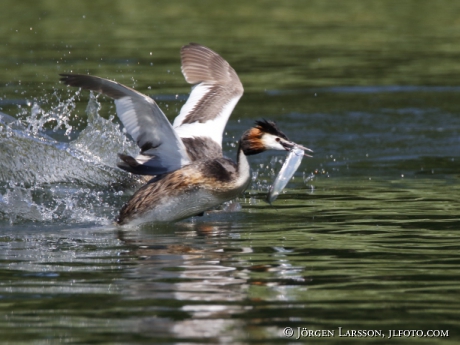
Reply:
x=266, y=135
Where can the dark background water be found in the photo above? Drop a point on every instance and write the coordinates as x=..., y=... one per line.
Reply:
x=365, y=237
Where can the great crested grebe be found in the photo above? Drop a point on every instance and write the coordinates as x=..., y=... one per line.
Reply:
x=190, y=173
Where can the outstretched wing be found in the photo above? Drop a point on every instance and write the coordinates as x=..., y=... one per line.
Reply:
x=162, y=150
x=217, y=89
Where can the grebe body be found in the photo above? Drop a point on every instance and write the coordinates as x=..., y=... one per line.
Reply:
x=187, y=192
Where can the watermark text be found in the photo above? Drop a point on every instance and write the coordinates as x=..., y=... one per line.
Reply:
x=303, y=332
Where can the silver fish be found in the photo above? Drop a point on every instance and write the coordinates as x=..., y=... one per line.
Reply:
x=290, y=166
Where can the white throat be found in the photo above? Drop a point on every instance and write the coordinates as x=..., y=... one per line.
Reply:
x=244, y=170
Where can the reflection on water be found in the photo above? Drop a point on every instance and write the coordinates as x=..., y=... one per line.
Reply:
x=195, y=274
x=340, y=257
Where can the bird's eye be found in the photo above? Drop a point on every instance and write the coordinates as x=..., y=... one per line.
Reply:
x=278, y=139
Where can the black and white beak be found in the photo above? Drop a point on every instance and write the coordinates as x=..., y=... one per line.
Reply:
x=289, y=145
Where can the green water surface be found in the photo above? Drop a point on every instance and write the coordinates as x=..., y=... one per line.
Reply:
x=370, y=242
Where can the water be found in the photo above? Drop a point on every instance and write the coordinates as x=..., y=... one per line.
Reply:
x=365, y=237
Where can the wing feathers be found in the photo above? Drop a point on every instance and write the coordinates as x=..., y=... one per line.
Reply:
x=110, y=88
x=144, y=121
x=214, y=95
x=201, y=64
x=204, y=116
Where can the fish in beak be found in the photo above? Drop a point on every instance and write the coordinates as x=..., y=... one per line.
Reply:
x=290, y=166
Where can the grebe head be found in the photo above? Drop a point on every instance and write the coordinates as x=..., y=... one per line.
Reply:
x=266, y=135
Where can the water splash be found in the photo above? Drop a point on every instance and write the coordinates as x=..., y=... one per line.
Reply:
x=44, y=179
x=102, y=139
x=43, y=204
